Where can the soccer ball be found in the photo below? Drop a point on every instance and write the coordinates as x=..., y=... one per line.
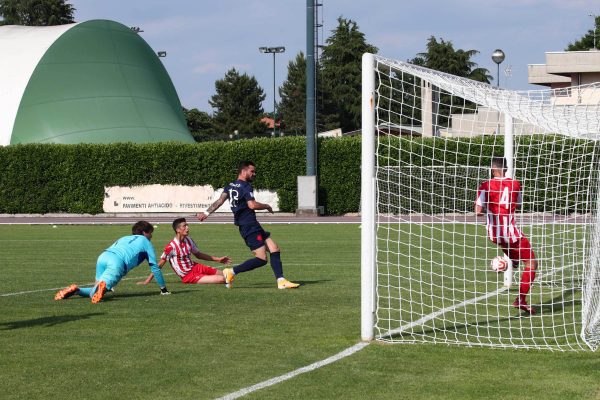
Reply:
x=499, y=264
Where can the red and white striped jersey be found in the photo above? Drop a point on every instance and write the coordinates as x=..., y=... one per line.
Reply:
x=178, y=254
x=500, y=197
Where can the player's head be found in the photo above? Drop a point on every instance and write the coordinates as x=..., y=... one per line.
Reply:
x=498, y=167
x=142, y=228
x=246, y=170
x=179, y=224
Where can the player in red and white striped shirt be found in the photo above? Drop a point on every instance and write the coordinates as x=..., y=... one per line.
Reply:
x=499, y=197
x=178, y=252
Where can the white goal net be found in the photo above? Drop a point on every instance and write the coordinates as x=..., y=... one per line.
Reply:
x=428, y=143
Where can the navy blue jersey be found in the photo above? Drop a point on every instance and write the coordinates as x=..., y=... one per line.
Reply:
x=239, y=193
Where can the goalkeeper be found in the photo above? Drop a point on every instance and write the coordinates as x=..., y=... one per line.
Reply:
x=499, y=197
x=115, y=262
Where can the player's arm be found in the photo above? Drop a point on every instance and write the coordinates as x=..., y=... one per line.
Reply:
x=213, y=207
x=255, y=205
x=151, y=276
x=480, y=202
x=204, y=256
x=156, y=270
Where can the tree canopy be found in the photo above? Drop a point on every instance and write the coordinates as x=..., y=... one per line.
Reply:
x=341, y=75
x=586, y=42
x=292, y=107
x=441, y=56
x=237, y=103
x=200, y=124
x=36, y=12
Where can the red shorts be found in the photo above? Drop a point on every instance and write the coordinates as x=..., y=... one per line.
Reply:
x=519, y=251
x=197, y=272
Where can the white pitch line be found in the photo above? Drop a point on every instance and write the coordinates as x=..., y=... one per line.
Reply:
x=62, y=287
x=273, y=381
x=431, y=316
x=143, y=277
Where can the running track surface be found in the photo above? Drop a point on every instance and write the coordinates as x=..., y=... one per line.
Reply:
x=102, y=219
x=226, y=218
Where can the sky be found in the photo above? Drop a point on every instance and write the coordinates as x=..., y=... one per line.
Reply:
x=204, y=39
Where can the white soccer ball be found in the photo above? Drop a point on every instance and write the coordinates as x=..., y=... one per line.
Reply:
x=499, y=264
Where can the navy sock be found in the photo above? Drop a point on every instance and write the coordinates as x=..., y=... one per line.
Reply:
x=249, y=265
x=276, y=264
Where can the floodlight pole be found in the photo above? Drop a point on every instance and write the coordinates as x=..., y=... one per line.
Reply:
x=273, y=50
x=308, y=185
x=498, y=56
x=595, y=29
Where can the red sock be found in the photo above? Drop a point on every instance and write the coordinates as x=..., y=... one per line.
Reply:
x=526, y=280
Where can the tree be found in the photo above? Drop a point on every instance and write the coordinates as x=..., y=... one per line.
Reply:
x=341, y=76
x=36, y=12
x=237, y=104
x=441, y=56
x=200, y=124
x=587, y=41
x=292, y=107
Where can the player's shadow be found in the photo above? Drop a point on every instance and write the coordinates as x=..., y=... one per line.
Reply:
x=458, y=328
x=45, y=321
x=117, y=297
x=560, y=302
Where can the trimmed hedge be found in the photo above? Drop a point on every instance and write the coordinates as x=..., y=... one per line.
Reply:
x=49, y=178
x=52, y=178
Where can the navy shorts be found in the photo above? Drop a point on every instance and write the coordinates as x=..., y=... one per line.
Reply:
x=254, y=235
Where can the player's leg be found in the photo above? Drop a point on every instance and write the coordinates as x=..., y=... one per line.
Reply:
x=207, y=279
x=203, y=274
x=66, y=292
x=108, y=276
x=525, y=253
x=101, y=264
x=259, y=260
x=255, y=241
x=277, y=265
x=506, y=249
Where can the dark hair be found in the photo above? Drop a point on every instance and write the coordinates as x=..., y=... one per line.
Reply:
x=176, y=223
x=141, y=227
x=499, y=162
x=244, y=164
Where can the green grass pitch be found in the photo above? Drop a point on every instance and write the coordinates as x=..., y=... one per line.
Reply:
x=205, y=341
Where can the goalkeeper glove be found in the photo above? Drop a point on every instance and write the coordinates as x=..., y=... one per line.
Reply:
x=164, y=291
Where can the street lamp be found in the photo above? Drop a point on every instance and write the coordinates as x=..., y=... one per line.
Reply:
x=498, y=57
x=273, y=50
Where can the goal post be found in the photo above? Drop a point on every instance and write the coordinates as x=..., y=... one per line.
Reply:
x=428, y=139
x=368, y=198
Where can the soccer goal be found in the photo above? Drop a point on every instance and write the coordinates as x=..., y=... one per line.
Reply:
x=428, y=141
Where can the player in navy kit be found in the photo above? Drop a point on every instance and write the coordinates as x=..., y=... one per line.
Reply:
x=243, y=206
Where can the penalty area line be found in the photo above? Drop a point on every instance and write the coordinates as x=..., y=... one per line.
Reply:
x=348, y=352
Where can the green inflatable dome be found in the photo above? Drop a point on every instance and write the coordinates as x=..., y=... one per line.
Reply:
x=91, y=82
